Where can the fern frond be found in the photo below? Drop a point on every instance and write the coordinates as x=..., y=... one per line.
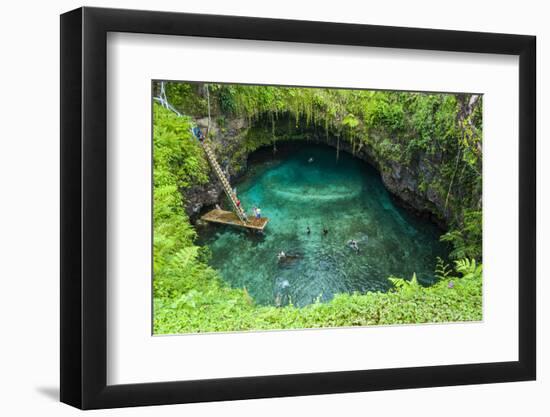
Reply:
x=442, y=269
x=468, y=268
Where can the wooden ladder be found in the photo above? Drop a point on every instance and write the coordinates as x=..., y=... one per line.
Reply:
x=223, y=179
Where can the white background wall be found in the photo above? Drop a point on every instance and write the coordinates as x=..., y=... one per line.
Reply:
x=29, y=220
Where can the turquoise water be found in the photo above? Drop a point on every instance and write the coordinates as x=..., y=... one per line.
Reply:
x=346, y=197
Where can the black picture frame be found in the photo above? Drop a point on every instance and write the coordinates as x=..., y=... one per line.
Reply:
x=84, y=207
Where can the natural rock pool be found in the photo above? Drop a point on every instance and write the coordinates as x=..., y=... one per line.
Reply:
x=304, y=185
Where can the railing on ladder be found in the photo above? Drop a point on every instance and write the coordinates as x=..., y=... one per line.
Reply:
x=223, y=179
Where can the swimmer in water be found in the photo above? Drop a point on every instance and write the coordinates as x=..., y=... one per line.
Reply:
x=353, y=244
x=310, y=160
x=281, y=255
x=308, y=230
x=325, y=231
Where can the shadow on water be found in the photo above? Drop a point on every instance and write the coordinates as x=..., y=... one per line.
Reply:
x=317, y=206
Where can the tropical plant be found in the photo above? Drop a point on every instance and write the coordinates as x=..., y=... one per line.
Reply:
x=468, y=268
x=442, y=269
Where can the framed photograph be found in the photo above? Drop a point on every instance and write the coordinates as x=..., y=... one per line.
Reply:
x=256, y=208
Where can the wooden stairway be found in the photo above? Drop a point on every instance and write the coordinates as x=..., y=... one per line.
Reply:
x=225, y=183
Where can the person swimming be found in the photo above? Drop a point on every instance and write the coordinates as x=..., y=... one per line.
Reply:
x=325, y=231
x=353, y=245
x=284, y=258
x=308, y=230
x=310, y=160
x=282, y=295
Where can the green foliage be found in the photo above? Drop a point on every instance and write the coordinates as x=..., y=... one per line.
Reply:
x=186, y=98
x=177, y=163
x=222, y=309
x=407, y=287
x=466, y=241
x=178, y=158
x=442, y=269
x=225, y=98
x=468, y=268
x=350, y=121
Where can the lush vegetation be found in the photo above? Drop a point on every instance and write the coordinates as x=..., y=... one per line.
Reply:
x=189, y=296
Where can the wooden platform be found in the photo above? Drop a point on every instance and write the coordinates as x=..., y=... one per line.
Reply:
x=228, y=217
